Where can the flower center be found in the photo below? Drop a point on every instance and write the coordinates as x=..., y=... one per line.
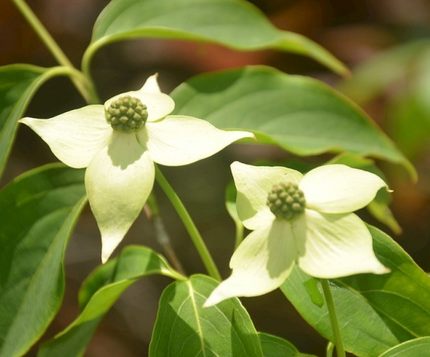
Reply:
x=126, y=114
x=286, y=201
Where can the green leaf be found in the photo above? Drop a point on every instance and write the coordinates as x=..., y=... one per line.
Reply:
x=274, y=346
x=418, y=347
x=300, y=114
x=236, y=24
x=100, y=291
x=185, y=328
x=18, y=84
x=373, y=77
x=379, y=207
x=375, y=312
x=38, y=212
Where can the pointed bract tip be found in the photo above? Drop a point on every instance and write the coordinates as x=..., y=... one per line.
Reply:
x=382, y=269
x=212, y=301
x=217, y=296
x=105, y=258
x=151, y=84
x=237, y=164
x=106, y=253
x=25, y=120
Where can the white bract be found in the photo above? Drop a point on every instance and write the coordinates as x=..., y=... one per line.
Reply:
x=323, y=237
x=120, y=164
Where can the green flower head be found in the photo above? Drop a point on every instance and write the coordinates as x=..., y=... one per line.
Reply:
x=299, y=219
x=118, y=144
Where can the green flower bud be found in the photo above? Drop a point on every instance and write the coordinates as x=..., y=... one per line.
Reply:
x=286, y=201
x=126, y=114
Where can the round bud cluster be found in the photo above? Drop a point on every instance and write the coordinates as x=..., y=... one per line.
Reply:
x=126, y=114
x=286, y=200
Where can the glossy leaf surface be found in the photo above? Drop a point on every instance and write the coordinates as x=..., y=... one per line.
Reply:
x=185, y=328
x=38, y=212
x=299, y=114
x=235, y=24
x=100, y=291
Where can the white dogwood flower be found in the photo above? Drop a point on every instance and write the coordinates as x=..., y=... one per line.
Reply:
x=118, y=143
x=299, y=219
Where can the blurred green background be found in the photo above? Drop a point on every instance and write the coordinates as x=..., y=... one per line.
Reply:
x=386, y=43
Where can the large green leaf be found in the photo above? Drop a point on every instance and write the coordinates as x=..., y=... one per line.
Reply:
x=375, y=312
x=298, y=113
x=185, y=328
x=233, y=23
x=419, y=347
x=18, y=84
x=38, y=212
x=100, y=291
x=274, y=346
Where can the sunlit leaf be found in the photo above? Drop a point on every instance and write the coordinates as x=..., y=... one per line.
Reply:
x=236, y=24
x=418, y=347
x=185, y=328
x=38, y=212
x=300, y=114
x=100, y=291
x=375, y=312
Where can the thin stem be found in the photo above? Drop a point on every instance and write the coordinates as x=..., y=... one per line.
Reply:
x=153, y=214
x=86, y=61
x=83, y=84
x=340, y=352
x=43, y=33
x=189, y=225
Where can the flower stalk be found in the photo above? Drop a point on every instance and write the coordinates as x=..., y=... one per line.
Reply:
x=83, y=84
x=340, y=351
x=189, y=224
